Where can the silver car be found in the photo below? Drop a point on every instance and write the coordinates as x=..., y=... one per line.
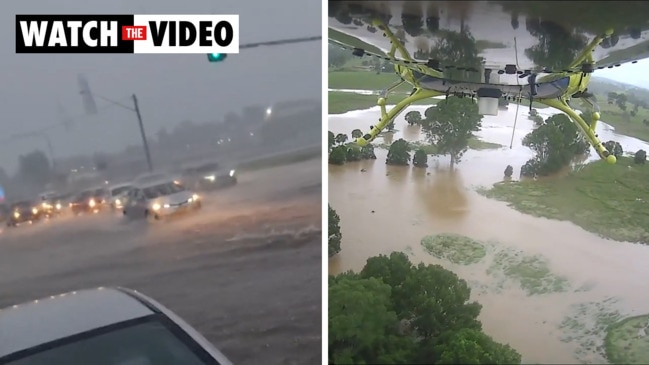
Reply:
x=158, y=199
x=102, y=326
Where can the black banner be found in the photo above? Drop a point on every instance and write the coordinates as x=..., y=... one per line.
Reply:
x=93, y=33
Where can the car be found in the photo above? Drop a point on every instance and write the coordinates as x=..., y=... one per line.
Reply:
x=86, y=202
x=102, y=326
x=25, y=211
x=158, y=199
x=117, y=195
x=50, y=204
x=208, y=176
x=151, y=177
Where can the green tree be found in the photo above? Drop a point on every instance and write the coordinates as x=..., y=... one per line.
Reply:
x=413, y=117
x=470, y=346
x=353, y=154
x=335, y=236
x=393, y=312
x=338, y=155
x=341, y=138
x=332, y=140
x=399, y=153
x=620, y=101
x=367, y=152
x=356, y=133
x=420, y=159
x=615, y=148
x=556, y=142
x=390, y=126
x=450, y=125
x=363, y=328
x=640, y=157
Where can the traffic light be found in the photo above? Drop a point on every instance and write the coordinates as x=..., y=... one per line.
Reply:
x=216, y=57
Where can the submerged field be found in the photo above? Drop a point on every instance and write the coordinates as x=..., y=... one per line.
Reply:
x=597, y=329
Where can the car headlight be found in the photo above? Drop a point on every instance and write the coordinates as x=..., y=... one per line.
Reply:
x=195, y=197
x=156, y=206
x=232, y=173
x=34, y=210
x=16, y=215
x=210, y=178
x=58, y=206
x=92, y=203
x=166, y=206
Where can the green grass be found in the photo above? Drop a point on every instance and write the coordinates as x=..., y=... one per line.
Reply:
x=609, y=200
x=457, y=249
x=532, y=273
x=623, y=122
x=282, y=159
x=477, y=144
x=343, y=102
x=627, y=341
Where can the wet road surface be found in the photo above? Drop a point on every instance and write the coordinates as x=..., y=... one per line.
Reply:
x=245, y=271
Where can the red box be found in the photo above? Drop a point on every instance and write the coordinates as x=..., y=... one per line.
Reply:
x=133, y=32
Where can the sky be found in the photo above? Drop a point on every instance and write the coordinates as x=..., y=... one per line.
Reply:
x=634, y=74
x=170, y=88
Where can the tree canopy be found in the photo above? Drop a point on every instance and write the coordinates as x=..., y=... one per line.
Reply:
x=398, y=313
x=450, y=125
x=399, y=153
x=555, y=142
x=334, y=232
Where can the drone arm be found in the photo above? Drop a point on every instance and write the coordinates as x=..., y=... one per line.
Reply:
x=589, y=131
x=587, y=54
x=388, y=116
x=396, y=44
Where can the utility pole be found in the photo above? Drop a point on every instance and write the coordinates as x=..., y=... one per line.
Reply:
x=143, y=134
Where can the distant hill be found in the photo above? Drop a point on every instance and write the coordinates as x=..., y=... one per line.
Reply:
x=602, y=86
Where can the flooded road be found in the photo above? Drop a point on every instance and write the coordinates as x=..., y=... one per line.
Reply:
x=391, y=208
x=244, y=271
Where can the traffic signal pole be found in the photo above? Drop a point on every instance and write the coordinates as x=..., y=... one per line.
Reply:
x=145, y=143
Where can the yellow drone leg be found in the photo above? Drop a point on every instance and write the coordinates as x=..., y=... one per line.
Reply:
x=589, y=131
x=388, y=116
x=587, y=53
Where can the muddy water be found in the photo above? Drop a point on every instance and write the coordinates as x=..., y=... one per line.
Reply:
x=389, y=208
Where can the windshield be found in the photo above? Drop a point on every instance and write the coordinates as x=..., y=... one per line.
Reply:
x=162, y=190
x=84, y=195
x=22, y=205
x=120, y=190
x=207, y=168
x=150, y=343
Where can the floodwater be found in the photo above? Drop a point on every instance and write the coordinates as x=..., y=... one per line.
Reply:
x=391, y=208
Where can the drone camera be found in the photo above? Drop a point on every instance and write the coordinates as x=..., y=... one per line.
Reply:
x=488, y=101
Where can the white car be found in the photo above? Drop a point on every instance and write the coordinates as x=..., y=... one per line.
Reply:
x=102, y=326
x=118, y=194
x=158, y=199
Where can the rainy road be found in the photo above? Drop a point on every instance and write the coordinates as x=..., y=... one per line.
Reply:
x=245, y=271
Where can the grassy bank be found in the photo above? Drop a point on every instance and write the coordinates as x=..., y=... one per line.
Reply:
x=282, y=159
x=626, y=341
x=609, y=200
x=624, y=123
x=343, y=102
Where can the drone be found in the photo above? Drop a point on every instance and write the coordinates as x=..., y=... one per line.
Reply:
x=549, y=60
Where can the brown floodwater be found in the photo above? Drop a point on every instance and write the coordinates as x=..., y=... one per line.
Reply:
x=391, y=208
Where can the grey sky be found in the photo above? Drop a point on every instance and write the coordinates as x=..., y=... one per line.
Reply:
x=634, y=74
x=170, y=88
